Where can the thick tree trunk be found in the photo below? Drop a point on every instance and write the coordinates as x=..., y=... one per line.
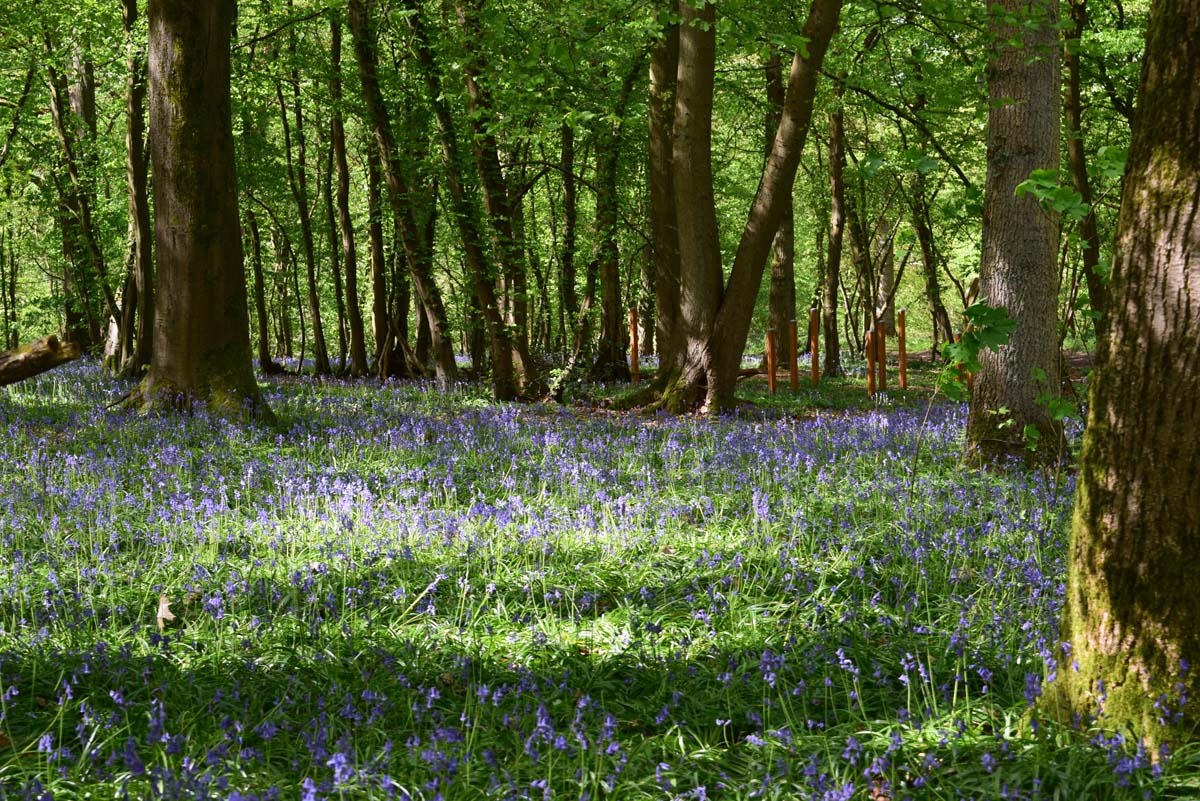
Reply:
x=837, y=230
x=701, y=281
x=201, y=325
x=1020, y=240
x=782, y=297
x=1133, y=603
x=34, y=358
x=399, y=195
x=1077, y=161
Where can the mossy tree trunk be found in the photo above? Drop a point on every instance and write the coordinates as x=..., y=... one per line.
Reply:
x=1019, y=271
x=201, y=324
x=1133, y=591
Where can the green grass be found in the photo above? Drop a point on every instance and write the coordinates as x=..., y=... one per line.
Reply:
x=403, y=592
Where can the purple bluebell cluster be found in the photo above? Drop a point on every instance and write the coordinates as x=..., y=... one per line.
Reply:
x=403, y=594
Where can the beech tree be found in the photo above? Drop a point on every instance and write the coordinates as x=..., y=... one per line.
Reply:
x=1133, y=608
x=1019, y=271
x=201, y=324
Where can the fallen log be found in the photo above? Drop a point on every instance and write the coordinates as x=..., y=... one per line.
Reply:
x=36, y=357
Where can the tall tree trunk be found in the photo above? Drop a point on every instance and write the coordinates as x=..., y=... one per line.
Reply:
x=566, y=291
x=398, y=193
x=335, y=253
x=943, y=329
x=379, y=272
x=610, y=362
x=664, y=224
x=139, y=203
x=715, y=334
x=81, y=241
x=358, y=348
x=1133, y=607
x=701, y=280
x=837, y=229
x=201, y=331
x=265, y=363
x=504, y=347
x=501, y=208
x=782, y=297
x=297, y=171
x=1077, y=161
x=1020, y=239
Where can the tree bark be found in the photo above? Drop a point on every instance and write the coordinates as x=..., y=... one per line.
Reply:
x=139, y=203
x=358, y=348
x=1133, y=608
x=379, y=272
x=1077, y=161
x=701, y=281
x=1020, y=240
x=34, y=358
x=399, y=195
x=265, y=363
x=201, y=330
x=837, y=230
x=566, y=290
x=297, y=172
x=732, y=326
x=610, y=363
x=782, y=297
x=503, y=346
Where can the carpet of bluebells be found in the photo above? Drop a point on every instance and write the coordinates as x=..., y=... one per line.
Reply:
x=397, y=593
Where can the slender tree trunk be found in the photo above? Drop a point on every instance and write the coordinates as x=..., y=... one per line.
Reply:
x=503, y=345
x=297, y=171
x=201, y=331
x=782, y=298
x=335, y=254
x=139, y=203
x=1020, y=239
x=1077, y=161
x=379, y=283
x=501, y=208
x=837, y=229
x=358, y=348
x=664, y=225
x=398, y=193
x=1133, y=608
x=265, y=363
x=610, y=362
x=664, y=217
x=943, y=329
x=566, y=290
x=775, y=189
